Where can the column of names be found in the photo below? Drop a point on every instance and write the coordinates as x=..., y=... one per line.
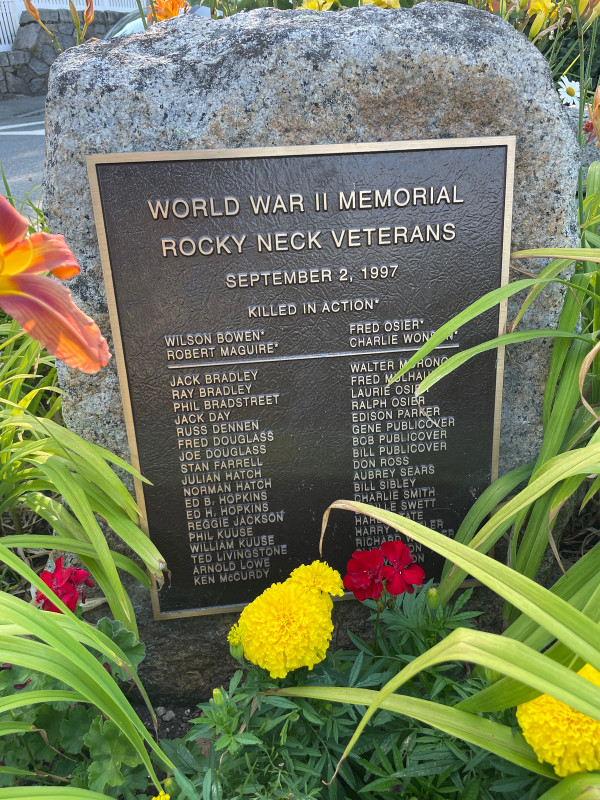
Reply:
x=223, y=442
x=395, y=433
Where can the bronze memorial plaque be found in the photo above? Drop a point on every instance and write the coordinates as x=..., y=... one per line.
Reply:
x=260, y=300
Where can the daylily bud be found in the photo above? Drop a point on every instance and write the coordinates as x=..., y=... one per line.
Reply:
x=537, y=25
x=595, y=12
x=218, y=698
x=75, y=16
x=32, y=9
x=432, y=598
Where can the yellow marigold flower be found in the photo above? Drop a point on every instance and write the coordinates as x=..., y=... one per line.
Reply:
x=565, y=738
x=286, y=627
x=320, y=577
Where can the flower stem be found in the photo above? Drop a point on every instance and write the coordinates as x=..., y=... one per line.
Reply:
x=376, y=636
x=16, y=522
x=52, y=36
x=142, y=15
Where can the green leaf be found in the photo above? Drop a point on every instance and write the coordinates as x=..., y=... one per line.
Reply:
x=551, y=270
x=572, y=627
x=109, y=751
x=66, y=543
x=247, y=738
x=74, y=727
x=14, y=701
x=126, y=641
x=569, y=317
x=560, y=467
x=7, y=728
x=462, y=357
x=585, y=786
x=492, y=736
x=61, y=655
x=472, y=311
x=48, y=793
x=570, y=253
x=581, y=586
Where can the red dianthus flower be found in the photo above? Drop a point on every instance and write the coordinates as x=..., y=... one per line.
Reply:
x=67, y=583
x=402, y=575
x=365, y=574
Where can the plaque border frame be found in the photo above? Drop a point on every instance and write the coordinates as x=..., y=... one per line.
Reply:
x=92, y=161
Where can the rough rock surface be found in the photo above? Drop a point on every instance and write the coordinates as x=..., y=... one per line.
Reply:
x=439, y=70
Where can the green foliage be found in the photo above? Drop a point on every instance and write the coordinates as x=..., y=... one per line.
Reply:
x=110, y=752
x=40, y=459
x=521, y=653
x=68, y=742
x=269, y=746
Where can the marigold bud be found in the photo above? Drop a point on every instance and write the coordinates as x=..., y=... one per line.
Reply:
x=234, y=637
x=237, y=651
x=433, y=598
x=32, y=9
x=218, y=698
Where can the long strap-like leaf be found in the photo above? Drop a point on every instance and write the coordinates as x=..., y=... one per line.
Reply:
x=492, y=736
x=567, y=624
x=497, y=653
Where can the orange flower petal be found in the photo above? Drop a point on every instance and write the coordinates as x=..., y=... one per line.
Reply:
x=41, y=252
x=46, y=311
x=13, y=226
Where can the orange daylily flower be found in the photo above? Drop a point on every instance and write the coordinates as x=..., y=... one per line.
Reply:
x=43, y=307
x=593, y=125
x=166, y=9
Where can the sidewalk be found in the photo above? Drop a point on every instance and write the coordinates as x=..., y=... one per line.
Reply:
x=20, y=106
x=22, y=144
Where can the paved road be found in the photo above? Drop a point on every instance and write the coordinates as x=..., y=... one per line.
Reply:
x=22, y=145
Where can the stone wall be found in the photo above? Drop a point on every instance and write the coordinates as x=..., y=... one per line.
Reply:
x=25, y=68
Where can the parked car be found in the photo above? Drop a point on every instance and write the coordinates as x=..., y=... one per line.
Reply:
x=132, y=22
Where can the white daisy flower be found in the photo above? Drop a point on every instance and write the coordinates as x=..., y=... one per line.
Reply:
x=568, y=91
